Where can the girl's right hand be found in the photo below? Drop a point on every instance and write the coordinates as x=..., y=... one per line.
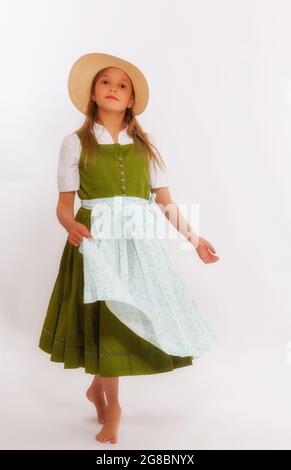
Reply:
x=76, y=233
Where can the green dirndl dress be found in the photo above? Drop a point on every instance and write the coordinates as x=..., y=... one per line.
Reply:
x=90, y=335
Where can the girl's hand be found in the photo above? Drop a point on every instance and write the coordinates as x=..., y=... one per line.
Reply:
x=76, y=233
x=205, y=251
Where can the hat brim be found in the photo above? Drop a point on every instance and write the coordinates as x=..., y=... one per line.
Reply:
x=87, y=66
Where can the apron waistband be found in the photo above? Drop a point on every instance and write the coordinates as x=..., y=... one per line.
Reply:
x=90, y=203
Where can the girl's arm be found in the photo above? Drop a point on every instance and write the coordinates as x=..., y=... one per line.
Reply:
x=65, y=215
x=65, y=209
x=204, y=249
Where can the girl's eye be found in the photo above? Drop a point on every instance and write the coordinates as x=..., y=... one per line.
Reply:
x=105, y=81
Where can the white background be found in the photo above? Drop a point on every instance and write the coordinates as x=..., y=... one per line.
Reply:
x=219, y=74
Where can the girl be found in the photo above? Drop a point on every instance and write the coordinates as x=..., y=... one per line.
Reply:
x=118, y=306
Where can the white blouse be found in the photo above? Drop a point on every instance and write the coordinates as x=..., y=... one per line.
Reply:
x=68, y=177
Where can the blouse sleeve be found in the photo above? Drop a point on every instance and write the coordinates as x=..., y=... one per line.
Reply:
x=158, y=176
x=68, y=177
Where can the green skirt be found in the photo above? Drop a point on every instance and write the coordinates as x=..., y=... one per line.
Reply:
x=90, y=335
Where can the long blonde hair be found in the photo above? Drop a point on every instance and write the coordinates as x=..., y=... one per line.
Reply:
x=134, y=129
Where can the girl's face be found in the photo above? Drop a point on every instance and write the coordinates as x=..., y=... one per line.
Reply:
x=116, y=84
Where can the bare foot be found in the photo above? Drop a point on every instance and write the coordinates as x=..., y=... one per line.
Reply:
x=96, y=396
x=110, y=429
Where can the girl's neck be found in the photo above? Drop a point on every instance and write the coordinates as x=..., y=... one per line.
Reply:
x=113, y=126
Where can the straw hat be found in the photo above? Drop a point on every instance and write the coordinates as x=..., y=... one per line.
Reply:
x=87, y=66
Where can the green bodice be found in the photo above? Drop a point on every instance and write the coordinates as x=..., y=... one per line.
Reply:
x=115, y=170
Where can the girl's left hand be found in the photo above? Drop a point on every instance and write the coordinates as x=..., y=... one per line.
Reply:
x=206, y=251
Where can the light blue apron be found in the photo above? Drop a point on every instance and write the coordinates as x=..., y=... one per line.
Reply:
x=127, y=265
